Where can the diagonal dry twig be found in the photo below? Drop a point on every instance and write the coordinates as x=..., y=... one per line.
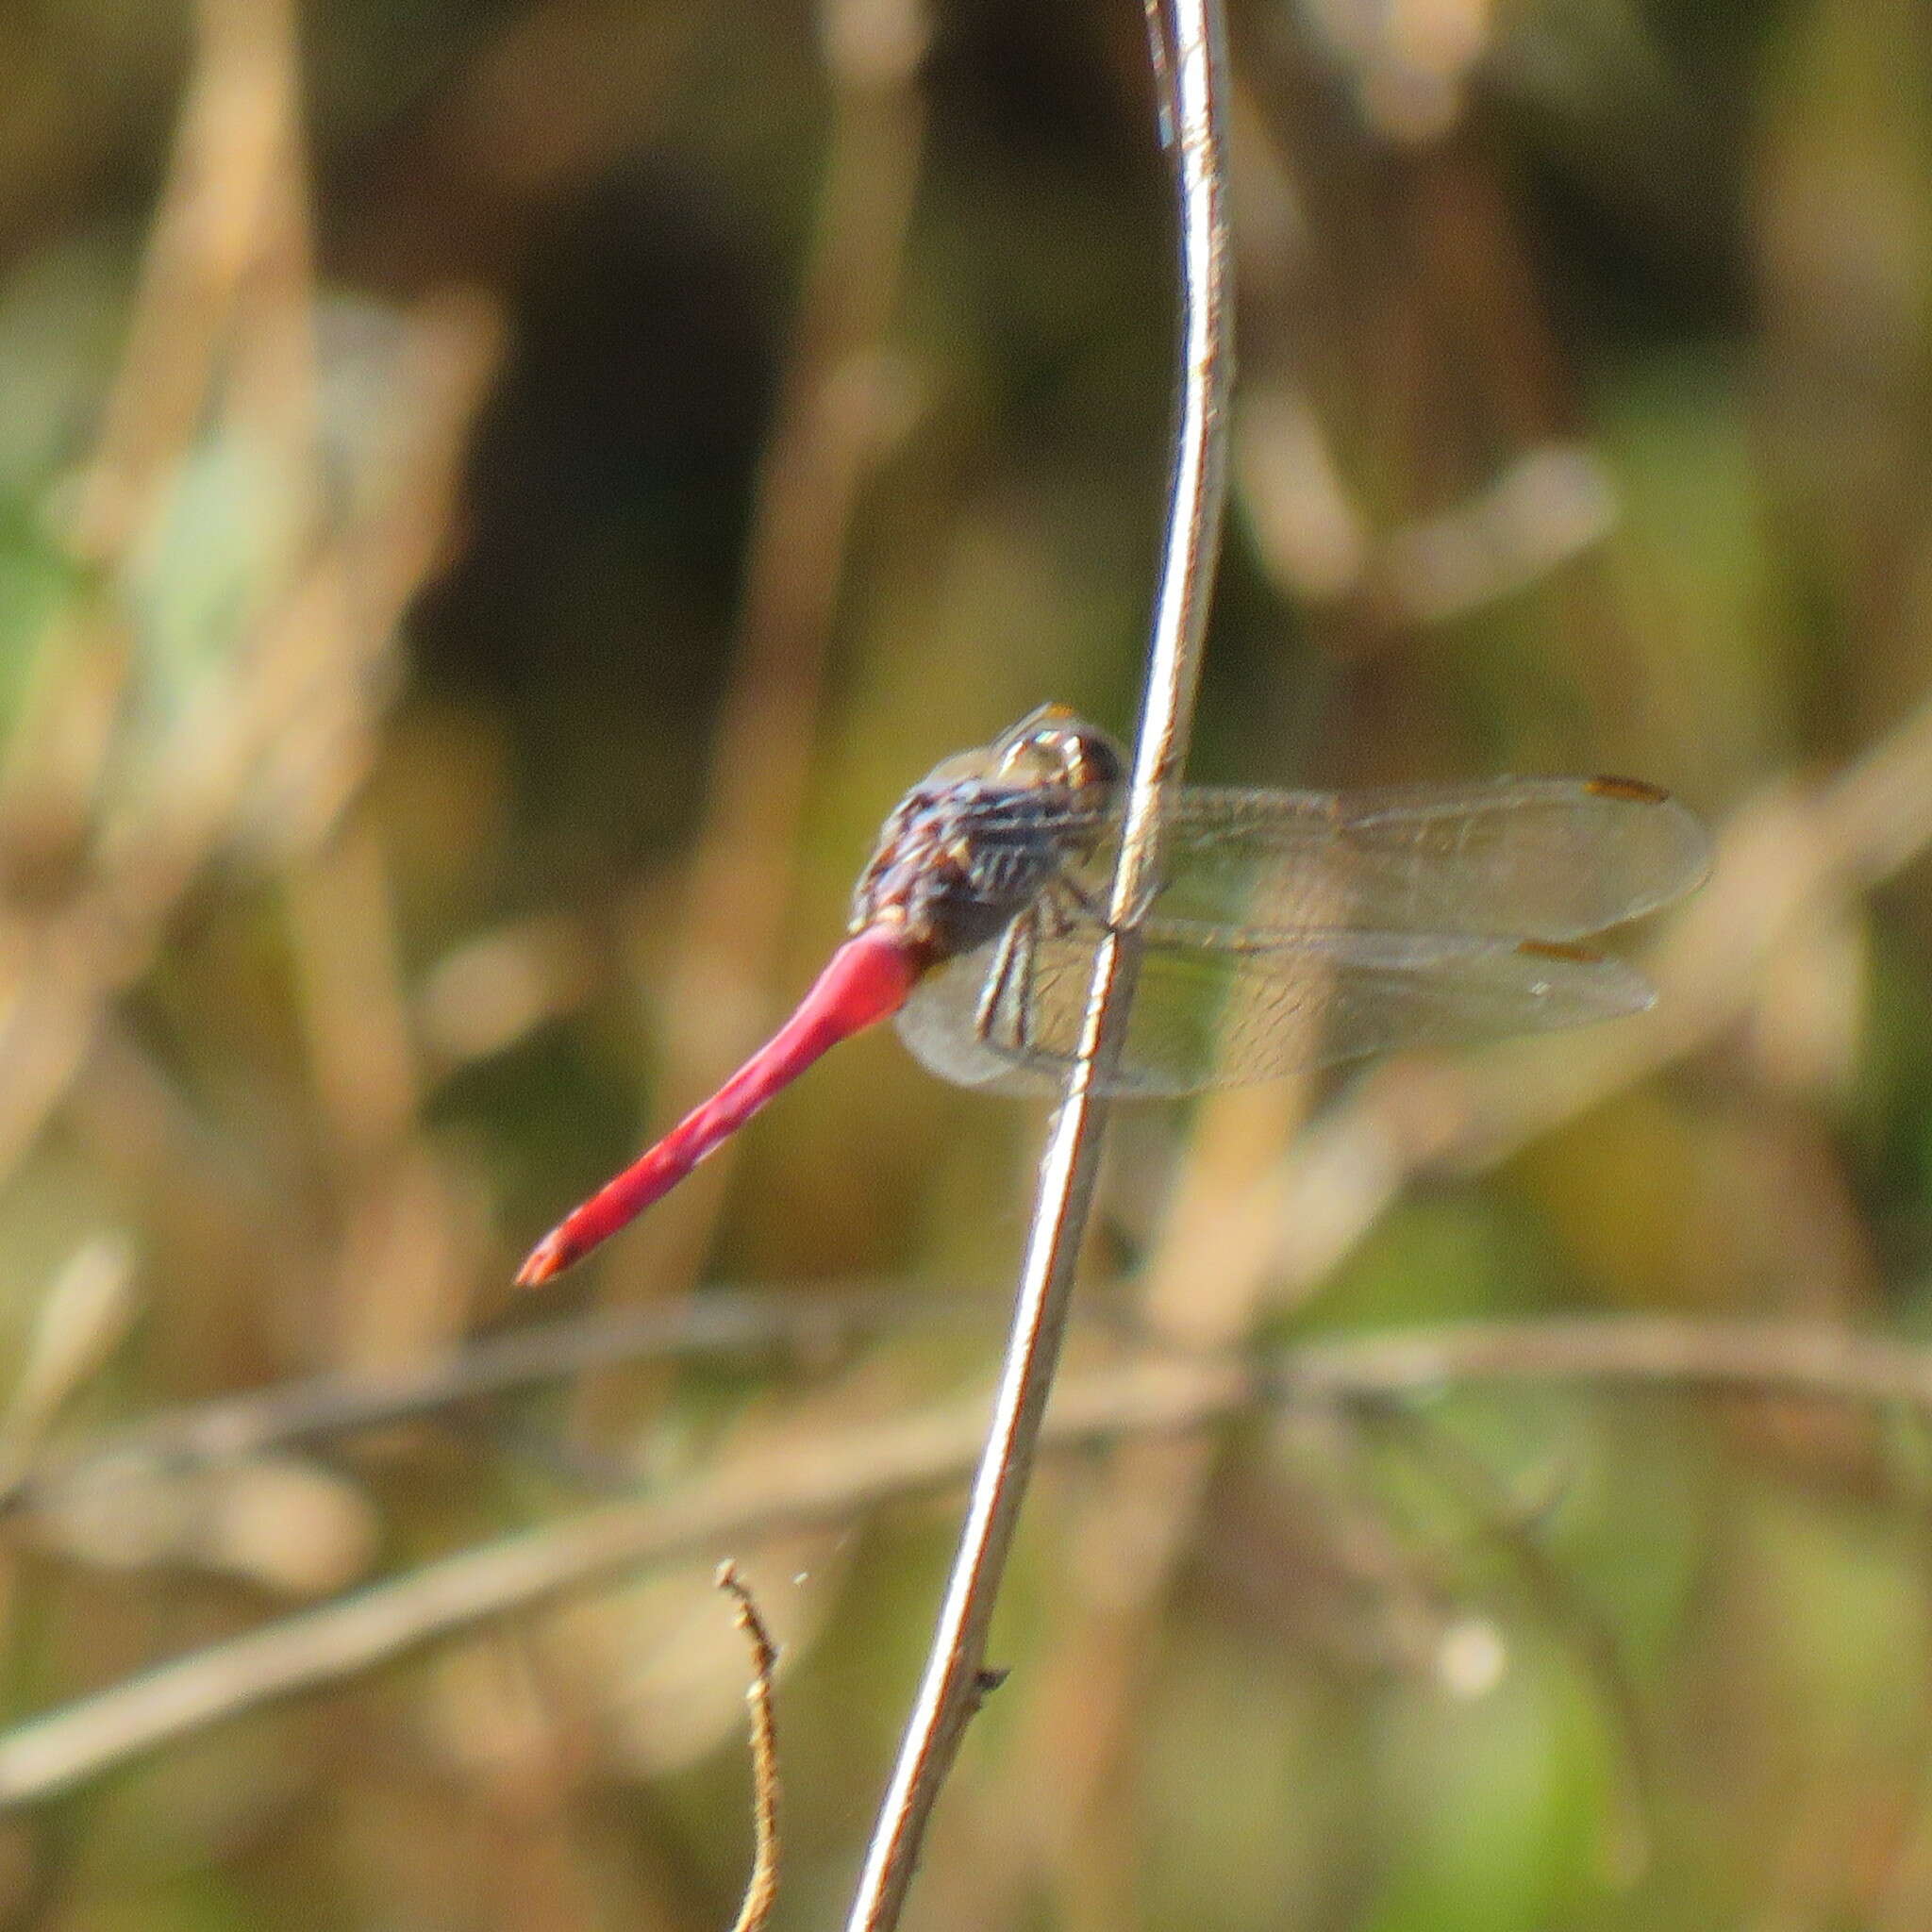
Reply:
x=831, y=1482
x=236, y=1428
x=823, y=1483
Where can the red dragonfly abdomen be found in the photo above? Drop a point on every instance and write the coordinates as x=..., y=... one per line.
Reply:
x=867, y=980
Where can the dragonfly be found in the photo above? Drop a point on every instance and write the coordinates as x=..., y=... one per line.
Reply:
x=1290, y=930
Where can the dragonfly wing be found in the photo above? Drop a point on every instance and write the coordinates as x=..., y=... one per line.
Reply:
x=1542, y=859
x=1225, y=1009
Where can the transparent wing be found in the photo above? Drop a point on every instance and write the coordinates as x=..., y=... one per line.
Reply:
x=1224, y=1010
x=1538, y=859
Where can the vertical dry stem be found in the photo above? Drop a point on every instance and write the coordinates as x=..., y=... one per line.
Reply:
x=950, y=1690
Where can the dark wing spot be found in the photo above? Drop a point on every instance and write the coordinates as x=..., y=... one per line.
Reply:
x=1636, y=790
x=1553, y=949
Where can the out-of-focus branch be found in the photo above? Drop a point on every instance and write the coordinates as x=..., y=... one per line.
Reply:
x=1792, y=1359
x=822, y=1484
x=237, y=1427
x=231, y=152
x=831, y=1481
x=1548, y=503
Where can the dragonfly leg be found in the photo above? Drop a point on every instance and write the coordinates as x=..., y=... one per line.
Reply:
x=1011, y=974
x=1063, y=888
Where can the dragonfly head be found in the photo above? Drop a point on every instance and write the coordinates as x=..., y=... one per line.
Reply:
x=1054, y=747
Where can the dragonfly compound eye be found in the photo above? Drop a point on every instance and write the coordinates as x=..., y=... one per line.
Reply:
x=1055, y=747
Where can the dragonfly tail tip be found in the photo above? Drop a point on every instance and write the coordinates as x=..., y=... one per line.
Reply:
x=546, y=1261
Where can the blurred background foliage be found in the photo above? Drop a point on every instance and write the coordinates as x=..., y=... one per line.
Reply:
x=498, y=499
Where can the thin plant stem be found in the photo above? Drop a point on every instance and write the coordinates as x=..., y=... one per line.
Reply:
x=761, y=1887
x=950, y=1691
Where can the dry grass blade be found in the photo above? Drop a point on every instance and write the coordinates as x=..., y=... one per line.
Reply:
x=302, y=663
x=85, y=1315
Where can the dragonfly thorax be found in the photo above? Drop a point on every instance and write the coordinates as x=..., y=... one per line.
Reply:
x=971, y=846
x=958, y=861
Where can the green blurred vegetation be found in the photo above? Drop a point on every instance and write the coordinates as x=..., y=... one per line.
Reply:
x=497, y=501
